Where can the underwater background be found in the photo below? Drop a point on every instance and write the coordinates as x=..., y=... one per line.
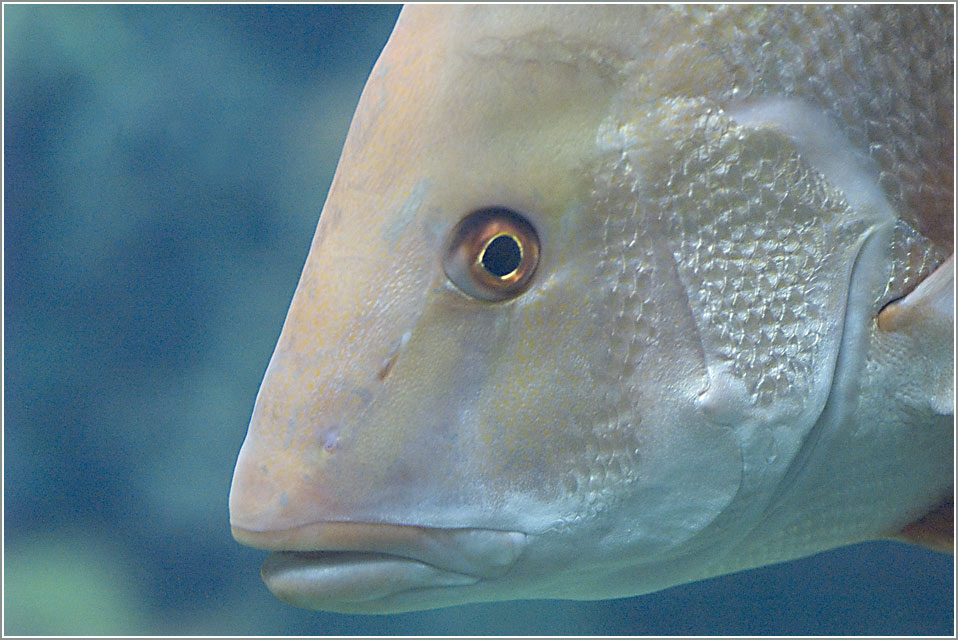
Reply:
x=165, y=167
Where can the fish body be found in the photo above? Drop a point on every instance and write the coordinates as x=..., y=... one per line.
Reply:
x=605, y=299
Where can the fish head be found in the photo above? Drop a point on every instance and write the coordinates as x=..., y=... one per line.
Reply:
x=569, y=323
x=400, y=403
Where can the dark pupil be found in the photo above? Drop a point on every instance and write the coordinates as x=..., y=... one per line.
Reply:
x=502, y=256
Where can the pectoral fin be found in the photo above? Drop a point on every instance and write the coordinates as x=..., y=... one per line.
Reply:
x=926, y=317
x=935, y=530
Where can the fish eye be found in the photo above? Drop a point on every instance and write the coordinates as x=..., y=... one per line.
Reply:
x=492, y=254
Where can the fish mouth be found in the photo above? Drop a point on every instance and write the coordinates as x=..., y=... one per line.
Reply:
x=333, y=565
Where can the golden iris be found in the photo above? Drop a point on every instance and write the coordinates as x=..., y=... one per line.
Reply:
x=492, y=254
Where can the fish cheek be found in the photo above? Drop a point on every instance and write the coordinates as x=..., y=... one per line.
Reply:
x=599, y=427
x=538, y=404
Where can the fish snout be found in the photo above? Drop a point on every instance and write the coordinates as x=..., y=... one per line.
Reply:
x=340, y=565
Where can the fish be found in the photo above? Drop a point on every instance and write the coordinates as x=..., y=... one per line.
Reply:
x=609, y=298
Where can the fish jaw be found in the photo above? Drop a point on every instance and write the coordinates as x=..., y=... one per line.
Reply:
x=356, y=567
x=349, y=582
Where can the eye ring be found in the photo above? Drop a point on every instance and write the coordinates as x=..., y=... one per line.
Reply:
x=492, y=254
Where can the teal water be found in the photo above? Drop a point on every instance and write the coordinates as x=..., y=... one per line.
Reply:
x=165, y=168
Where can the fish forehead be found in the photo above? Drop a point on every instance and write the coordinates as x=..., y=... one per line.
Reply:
x=681, y=252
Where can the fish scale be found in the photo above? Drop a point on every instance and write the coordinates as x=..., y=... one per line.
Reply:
x=906, y=128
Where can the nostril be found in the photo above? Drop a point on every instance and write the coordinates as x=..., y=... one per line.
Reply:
x=388, y=363
x=329, y=438
x=387, y=366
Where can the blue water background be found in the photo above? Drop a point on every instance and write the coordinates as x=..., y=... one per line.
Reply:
x=165, y=168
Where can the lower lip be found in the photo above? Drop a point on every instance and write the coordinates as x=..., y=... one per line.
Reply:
x=323, y=579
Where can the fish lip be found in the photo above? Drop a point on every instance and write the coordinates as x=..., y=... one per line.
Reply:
x=476, y=552
x=349, y=581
